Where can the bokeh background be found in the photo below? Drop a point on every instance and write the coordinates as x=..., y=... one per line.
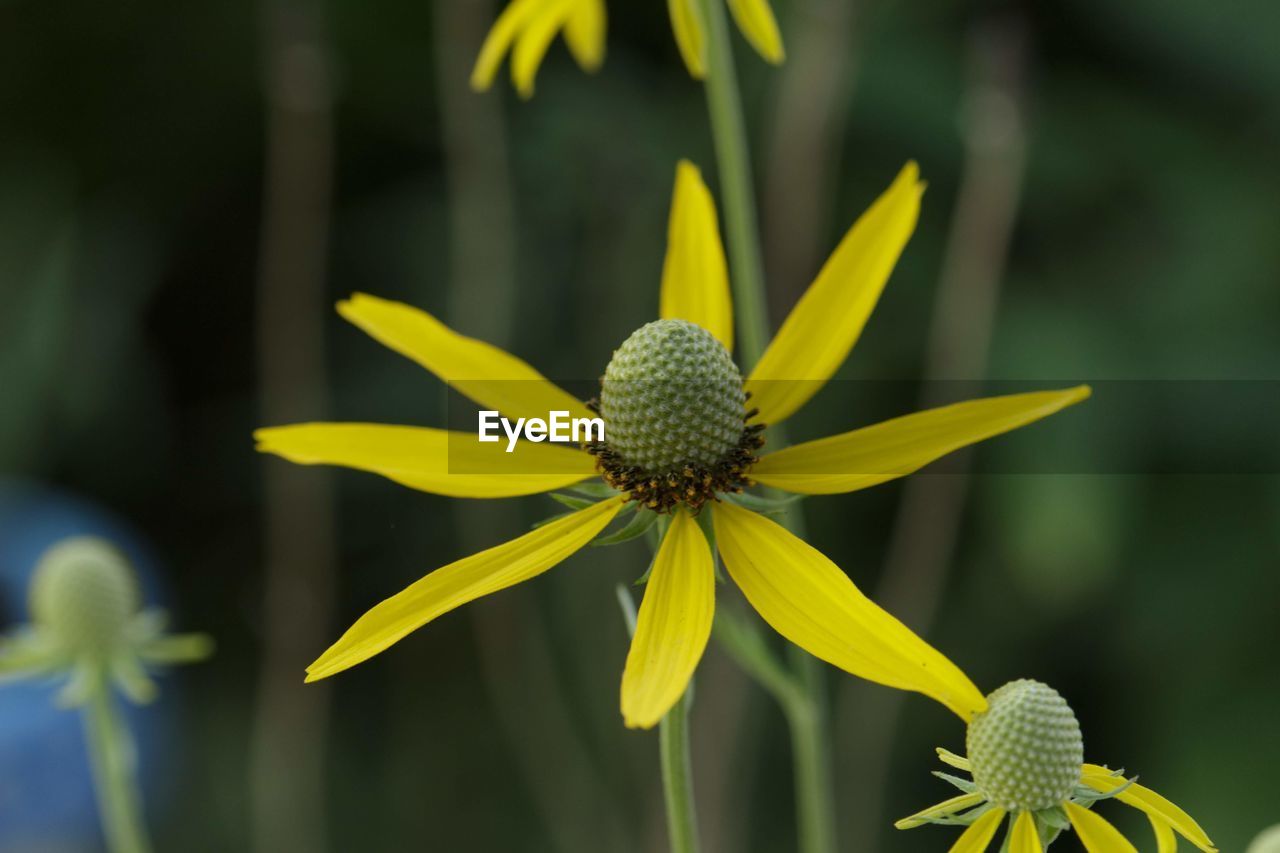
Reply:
x=185, y=191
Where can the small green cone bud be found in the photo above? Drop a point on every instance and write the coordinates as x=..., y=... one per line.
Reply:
x=672, y=398
x=1025, y=749
x=84, y=593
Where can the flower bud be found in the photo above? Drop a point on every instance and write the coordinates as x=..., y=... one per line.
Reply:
x=84, y=593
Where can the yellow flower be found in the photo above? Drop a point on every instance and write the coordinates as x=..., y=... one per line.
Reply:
x=797, y=590
x=526, y=28
x=1026, y=759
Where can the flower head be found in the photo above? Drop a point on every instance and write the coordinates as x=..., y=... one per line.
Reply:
x=683, y=437
x=1026, y=756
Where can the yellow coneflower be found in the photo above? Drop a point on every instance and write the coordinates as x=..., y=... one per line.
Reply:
x=526, y=28
x=1026, y=756
x=679, y=440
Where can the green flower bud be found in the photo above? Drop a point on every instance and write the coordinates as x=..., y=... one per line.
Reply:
x=1025, y=749
x=84, y=593
x=672, y=399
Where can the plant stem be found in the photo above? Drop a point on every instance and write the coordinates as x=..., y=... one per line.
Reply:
x=677, y=776
x=806, y=715
x=112, y=755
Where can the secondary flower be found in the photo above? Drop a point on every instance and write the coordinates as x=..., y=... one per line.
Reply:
x=683, y=431
x=527, y=27
x=1026, y=757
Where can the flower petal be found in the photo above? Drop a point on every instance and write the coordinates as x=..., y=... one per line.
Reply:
x=533, y=41
x=465, y=580
x=1023, y=838
x=808, y=600
x=1155, y=806
x=501, y=35
x=978, y=836
x=673, y=625
x=824, y=325
x=884, y=451
x=1095, y=833
x=686, y=24
x=431, y=460
x=695, y=275
x=756, y=21
x=1166, y=842
x=948, y=807
x=485, y=373
x=948, y=757
x=585, y=33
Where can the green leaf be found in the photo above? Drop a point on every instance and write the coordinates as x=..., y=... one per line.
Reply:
x=634, y=528
x=757, y=503
x=1054, y=816
x=963, y=784
x=570, y=501
x=594, y=489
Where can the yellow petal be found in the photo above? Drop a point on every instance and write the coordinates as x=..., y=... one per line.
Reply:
x=585, y=33
x=513, y=19
x=755, y=20
x=1095, y=833
x=824, y=325
x=1024, y=838
x=431, y=460
x=686, y=23
x=948, y=807
x=1166, y=842
x=695, y=276
x=1154, y=805
x=673, y=625
x=533, y=41
x=466, y=580
x=978, y=836
x=959, y=762
x=490, y=376
x=895, y=448
x=808, y=600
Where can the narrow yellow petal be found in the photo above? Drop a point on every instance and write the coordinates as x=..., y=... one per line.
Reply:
x=884, y=451
x=533, y=41
x=686, y=23
x=959, y=762
x=585, y=33
x=1024, y=838
x=1095, y=833
x=756, y=21
x=465, y=580
x=489, y=375
x=513, y=18
x=824, y=325
x=673, y=625
x=808, y=600
x=978, y=836
x=1166, y=841
x=948, y=807
x=695, y=275
x=1154, y=805
x=431, y=460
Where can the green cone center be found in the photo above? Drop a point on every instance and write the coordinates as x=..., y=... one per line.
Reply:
x=1025, y=749
x=672, y=399
x=85, y=594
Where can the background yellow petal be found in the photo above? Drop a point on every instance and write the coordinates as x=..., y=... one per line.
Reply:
x=695, y=275
x=947, y=807
x=864, y=457
x=492, y=377
x=584, y=32
x=808, y=600
x=1095, y=833
x=463, y=581
x=756, y=21
x=1024, y=838
x=1154, y=805
x=498, y=41
x=817, y=336
x=533, y=41
x=686, y=24
x=673, y=625
x=978, y=836
x=1166, y=842
x=431, y=460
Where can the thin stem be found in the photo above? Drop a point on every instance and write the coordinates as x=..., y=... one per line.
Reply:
x=677, y=776
x=810, y=758
x=112, y=754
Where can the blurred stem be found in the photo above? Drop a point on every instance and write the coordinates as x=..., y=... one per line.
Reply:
x=113, y=756
x=815, y=816
x=677, y=776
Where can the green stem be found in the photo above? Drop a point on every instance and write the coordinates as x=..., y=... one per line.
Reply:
x=111, y=752
x=806, y=715
x=677, y=776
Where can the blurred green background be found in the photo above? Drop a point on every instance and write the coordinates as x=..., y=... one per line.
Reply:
x=185, y=190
